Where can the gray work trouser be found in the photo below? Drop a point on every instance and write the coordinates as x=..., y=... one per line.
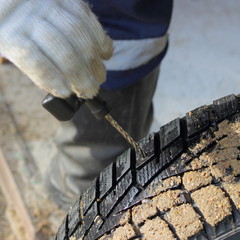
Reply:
x=87, y=145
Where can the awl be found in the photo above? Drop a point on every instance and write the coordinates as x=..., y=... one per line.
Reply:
x=65, y=109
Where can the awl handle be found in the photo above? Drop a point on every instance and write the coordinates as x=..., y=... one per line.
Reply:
x=65, y=109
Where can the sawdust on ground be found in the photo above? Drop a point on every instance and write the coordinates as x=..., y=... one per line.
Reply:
x=36, y=128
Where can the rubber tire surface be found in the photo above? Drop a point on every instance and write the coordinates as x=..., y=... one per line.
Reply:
x=114, y=200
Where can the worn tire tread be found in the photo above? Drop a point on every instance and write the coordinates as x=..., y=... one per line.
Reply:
x=127, y=181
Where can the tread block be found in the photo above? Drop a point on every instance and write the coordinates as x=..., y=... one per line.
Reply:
x=89, y=196
x=127, y=200
x=90, y=216
x=235, y=118
x=106, y=180
x=197, y=120
x=74, y=217
x=167, y=156
x=94, y=230
x=112, y=198
x=192, y=141
x=176, y=168
x=62, y=231
x=79, y=232
x=225, y=106
x=111, y=222
x=123, y=163
x=171, y=152
x=148, y=171
x=148, y=146
x=169, y=133
x=176, y=149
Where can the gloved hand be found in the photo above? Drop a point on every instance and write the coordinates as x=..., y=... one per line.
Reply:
x=59, y=44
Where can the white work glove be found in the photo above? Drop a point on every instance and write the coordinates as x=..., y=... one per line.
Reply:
x=59, y=44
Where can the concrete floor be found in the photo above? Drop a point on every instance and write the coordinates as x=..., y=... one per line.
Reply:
x=203, y=61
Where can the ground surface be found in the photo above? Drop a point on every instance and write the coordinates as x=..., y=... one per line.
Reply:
x=202, y=64
x=25, y=131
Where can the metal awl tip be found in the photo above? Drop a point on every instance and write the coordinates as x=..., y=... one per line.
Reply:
x=134, y=144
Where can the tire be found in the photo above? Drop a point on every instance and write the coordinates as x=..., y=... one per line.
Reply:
x=188, y=186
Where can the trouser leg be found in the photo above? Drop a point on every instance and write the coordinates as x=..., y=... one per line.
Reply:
x=87, y=145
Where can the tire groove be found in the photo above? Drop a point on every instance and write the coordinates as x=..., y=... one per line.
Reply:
x=135, y=227
x=171, y=227
x=235, y=211
x=206, y=226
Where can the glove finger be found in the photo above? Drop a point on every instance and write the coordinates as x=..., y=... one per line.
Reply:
x=72, y=65
x=106, y=48
x=73, y=30
x=83, y=14
x=8, y=8
x=29, y=59
x=96, y=74
x=98, y=69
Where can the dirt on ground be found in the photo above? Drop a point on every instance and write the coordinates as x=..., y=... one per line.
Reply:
x=27, y=127
x=5, y=232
